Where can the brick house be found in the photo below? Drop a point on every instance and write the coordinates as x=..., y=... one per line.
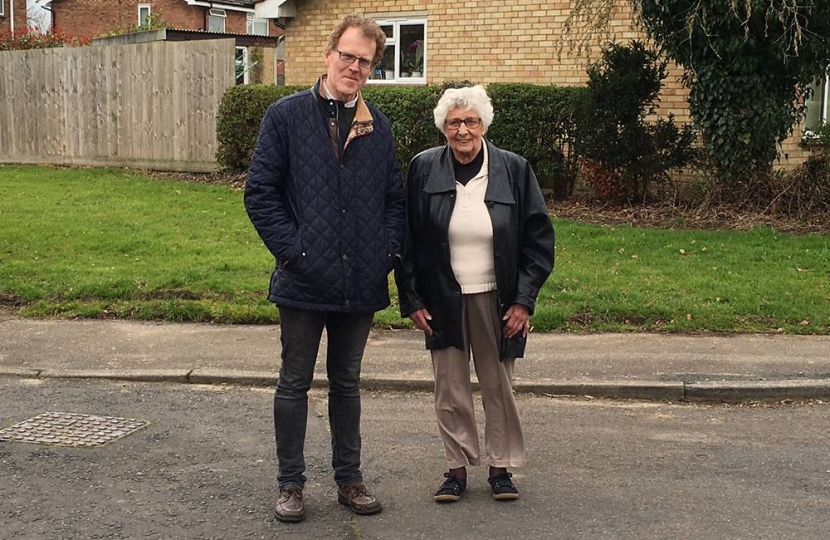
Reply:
x=91, y=18
x=12, y=16
x=486, y=41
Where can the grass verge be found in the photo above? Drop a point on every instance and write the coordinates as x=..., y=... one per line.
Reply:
x=113, y=243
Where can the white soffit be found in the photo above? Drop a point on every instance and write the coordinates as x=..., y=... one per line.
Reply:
x=273, y=9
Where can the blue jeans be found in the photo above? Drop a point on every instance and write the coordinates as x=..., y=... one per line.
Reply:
x=301, y=331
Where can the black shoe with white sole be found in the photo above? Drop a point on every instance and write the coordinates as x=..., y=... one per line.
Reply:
x=503, y=488
x=451, y=490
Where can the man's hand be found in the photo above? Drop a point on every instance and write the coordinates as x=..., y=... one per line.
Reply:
x=517, y=319
x=421, y=318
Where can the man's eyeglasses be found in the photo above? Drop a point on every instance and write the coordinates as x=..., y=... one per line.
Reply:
x=349, y=59
x=470, y=122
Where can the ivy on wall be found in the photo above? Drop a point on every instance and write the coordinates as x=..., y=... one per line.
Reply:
x=747, y=63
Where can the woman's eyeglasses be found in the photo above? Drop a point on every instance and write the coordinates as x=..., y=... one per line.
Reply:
x=470, y=122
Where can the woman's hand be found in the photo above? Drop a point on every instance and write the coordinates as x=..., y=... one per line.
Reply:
x=517, y=319
x=420, y=318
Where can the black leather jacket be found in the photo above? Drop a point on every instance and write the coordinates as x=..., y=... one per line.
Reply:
x=523, y=242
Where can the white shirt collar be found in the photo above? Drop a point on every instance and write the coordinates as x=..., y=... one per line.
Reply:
x=349, y=104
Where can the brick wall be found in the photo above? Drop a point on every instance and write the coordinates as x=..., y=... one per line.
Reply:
x=19, y=16
x=484, y=41
x=90, y=18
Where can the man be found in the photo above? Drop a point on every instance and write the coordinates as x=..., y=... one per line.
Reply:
x=325, y=194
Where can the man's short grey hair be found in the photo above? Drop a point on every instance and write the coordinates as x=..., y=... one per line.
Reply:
x=470, y=97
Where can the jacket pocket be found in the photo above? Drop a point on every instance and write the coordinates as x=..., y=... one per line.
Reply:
x=297, y=251
x=513, y=347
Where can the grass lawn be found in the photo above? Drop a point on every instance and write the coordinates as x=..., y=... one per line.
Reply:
x=111, y=243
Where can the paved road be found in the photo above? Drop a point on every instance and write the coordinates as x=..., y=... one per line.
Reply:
x=600, y=469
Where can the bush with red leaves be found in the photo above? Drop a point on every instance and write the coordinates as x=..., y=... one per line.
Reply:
x=32, y=38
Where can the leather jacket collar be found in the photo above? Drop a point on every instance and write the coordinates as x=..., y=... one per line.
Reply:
x=499, y=185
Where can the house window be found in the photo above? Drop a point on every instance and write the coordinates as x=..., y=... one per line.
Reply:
x=242, y=67
x=257, y=27
x=817, y=107
x=216, y=20
x=143, y=14
x=406, y=51
x=2, y=7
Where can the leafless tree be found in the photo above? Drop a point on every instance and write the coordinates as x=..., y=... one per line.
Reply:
x=37, y=17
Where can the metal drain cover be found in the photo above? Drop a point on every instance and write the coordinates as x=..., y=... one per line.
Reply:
x=71, y=429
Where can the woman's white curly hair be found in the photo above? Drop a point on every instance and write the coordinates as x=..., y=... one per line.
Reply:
x=467, y=98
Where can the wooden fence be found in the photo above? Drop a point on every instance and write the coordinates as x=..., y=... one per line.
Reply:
x=149, y=105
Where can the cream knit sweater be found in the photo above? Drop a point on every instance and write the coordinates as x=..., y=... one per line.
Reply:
x=471, y=236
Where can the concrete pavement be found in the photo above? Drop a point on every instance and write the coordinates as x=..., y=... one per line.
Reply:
x=627, y=366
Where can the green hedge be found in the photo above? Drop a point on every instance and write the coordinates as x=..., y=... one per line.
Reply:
x=539, y=123
x=409, y=109
x=237, y=122
x=533, y=121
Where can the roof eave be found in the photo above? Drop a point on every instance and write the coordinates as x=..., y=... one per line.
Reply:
x=275, y=9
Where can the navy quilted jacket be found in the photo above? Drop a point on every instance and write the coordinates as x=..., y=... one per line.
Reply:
x=334, y=225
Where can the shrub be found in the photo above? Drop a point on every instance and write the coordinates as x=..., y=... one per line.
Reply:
x=154, y=21
x=802, y=192
x=747, y=65
x=539, y=123
x=623, y=155
x=32, y=38
x=237, y=122
x=409, y=109
x=257, y=54
x=808, y=187
x=546, y=117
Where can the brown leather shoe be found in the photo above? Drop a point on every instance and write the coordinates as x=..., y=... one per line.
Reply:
x=358, y=498
x=290, y=505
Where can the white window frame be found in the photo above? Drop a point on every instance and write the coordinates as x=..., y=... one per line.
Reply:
x=142, y=7
x=219, y=14
x=246, y=69
x=824, y=103
x=252, y=21
x=396, y=23
x=2, y=8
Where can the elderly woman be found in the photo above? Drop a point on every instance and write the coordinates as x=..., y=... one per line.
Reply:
x=479, y=246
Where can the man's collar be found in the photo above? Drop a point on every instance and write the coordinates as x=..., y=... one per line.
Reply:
x=362, y=122
x=328, y=95
x=362, y=114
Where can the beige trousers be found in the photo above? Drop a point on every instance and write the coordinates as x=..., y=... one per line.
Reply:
x=503, y=439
